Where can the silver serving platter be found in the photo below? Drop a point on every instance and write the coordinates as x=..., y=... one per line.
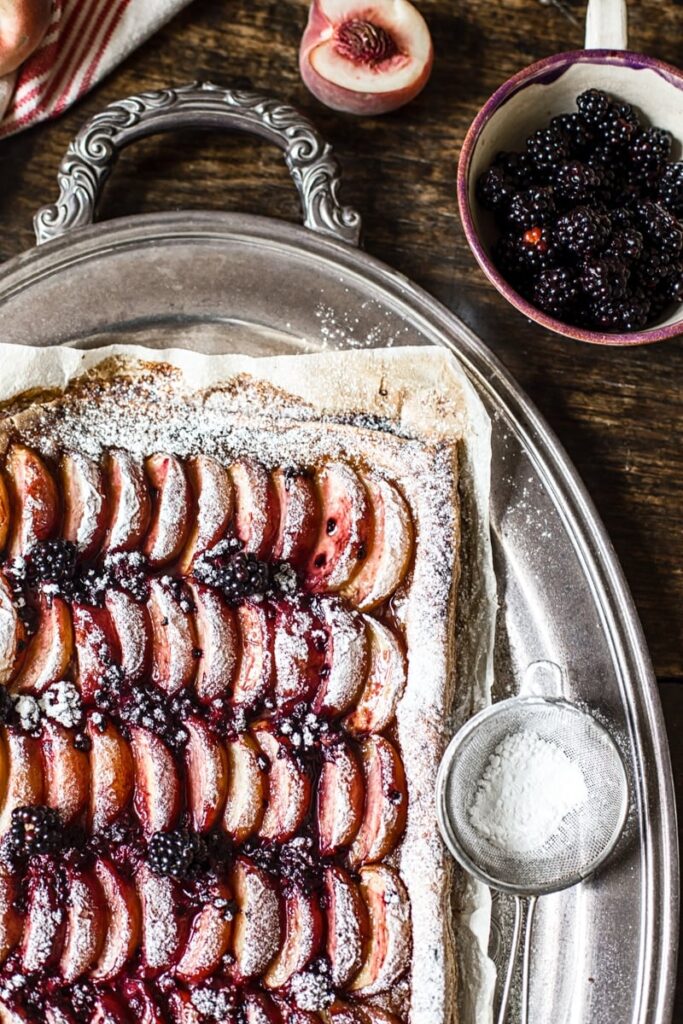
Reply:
x=605, y=952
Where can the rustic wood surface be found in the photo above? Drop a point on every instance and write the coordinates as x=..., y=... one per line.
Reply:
x=618, y=412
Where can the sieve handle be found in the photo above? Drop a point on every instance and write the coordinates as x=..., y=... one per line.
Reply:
x=521, y=939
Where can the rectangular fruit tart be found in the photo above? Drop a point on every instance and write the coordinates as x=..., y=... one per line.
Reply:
x=226, y=657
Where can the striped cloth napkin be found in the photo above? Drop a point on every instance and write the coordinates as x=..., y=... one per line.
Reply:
x=85, y=40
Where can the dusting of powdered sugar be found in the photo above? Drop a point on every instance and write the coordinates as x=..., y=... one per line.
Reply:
x=62, y=703
x=160, y=928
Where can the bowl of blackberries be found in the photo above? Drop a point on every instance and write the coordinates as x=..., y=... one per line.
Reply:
x=570, y=187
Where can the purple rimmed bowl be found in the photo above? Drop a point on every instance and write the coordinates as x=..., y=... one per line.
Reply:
x=528, y=100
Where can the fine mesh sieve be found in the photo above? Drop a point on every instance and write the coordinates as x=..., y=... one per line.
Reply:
x=581, y=839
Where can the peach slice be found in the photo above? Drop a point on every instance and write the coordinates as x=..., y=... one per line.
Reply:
x=163, y=929
x=129, y=502
x=133, y=632
x=171, y=504
x=174, y=640
x=254, y=679
x=157, y=787
x=12, y=634
x=5, y=513
x=207, y=775
x=385, y=683
x=341, y=794
x=260, y=1009
x=66, y=771
x=109, y=1010
x=218, y=640
x=388, y=954
x=303, y=932
x=124, y=922
x=299, y=516
x=347, y=658
x=348, y=925
x=11, y=923
x=86, y=926
x=257, y=931
x=257, y=515
x=298, y=657
x=24, y=774
x=49, y=650
x=345, y=531
x=112, y=773
x=182, y=1008
x=97, y=647
x=209, y=938
x=289, y=789
x=386, y=802
x=44, y=925
x=392, y=546
x=33, y=498
x=368, y=59
x=85, y=503
x=215, y=505
x=246, y=796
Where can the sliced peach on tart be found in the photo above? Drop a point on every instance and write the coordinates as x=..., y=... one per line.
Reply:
x=340, y=798
x=33, y=499
x=346, y=665
x=289, y=788
x=41, y=943
x=164, y=930
x=214, y=507
x=219, y=643
x=302, y=938
x=348, y=925
x=209, y=937
x=97, y=647
x=257, y=515
x=128, y=501
x=259, y=1008
x=124, y=922
x=11, y=921
x=171, y=507
x=24, y=774
x=299, y=516
x=247, y=788
x=85, y=503
x=174, y=639
x=133, y=631
x=388, y=954
x=345, y=531
x=257, y=926
x=206, y=765
x=86, y=925
x=49, y=650
x=157, y=786
x=12, y=634
x=66, y=770
x=112, y=772
x=299, y=654
x=254, y=680
x=386, y=802
x=384, y=685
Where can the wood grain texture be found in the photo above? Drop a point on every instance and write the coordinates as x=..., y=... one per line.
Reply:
x=619, y=412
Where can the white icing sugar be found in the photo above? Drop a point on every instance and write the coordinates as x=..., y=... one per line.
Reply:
x=160, y=927
x=345, y=943
x=170, y=511
x=172, y=651
x=131, y=625
x=130, y=510
x=348, y=661
x=218, y=641
x=91, y=495
x=45, y=919
x=81, y=945
x=311, y=989
x=252, y=487
x=214, y=501
x=28, y=710
x=62, y=703
x=292, y=633
x=257, y=924
x=385, y=683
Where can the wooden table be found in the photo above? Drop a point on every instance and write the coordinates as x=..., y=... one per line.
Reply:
x=618, y=412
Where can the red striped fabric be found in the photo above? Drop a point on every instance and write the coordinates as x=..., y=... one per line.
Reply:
x=85, y=40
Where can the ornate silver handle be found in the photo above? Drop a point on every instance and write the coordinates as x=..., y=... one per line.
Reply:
x=90, y=158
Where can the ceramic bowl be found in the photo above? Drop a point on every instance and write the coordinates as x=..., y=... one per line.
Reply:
x=529, y=99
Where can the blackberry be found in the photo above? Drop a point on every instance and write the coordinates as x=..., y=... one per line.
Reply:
x=603, y=278
x=626, y=314
x=6, y=706
x=625, y=245
x=593, y=106
x=660, y=226
x=547, y=149
x=554, y=290
x=238, y=574
x=575, y=131
x=517, y=167
x=35, y=829
x=494, y=189
x=619, y=125
x=178, y=853
x=583, y=230
x=649, y=150
x=517, y=256
x=150, y=708
x=90, y=586
x=671, y=287
x=575, y=182
x=532, y=208
x=670, y=188
x=51, y=561
x=652, y=269
x=129, y=571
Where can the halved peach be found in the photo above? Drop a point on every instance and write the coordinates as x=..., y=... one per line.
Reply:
x=391, y=551
x=247, y=788
x=215, y=505
x=341, y=795
x=109, y=1010
x=163, y=929
x=49, y=651
x=206, y=773
x=41, y=943
x=97, y=647
x=209, y=938
x=85, y=503
x=124, y=922
x=345, y=531
x=303, y=932
x=386, y=802
x=11, y=921
x=254, y=680
x=257, y=931
x=174, y=640
x=257, y=515
x=133, y=630
x=348, y=925
x=157, y=786
x=289, y=788
x=86, y=926
x=218, y=640
x=299, y=516
x=346, y=666
x=33, y=498
x=384, y=685
x=25, y=783
x=66, y=771
x=5, y=512
x=12, y=634
x=112, y=773
x=298, y=656
x=388, y=955
x=128, y=502
x=171, y=505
